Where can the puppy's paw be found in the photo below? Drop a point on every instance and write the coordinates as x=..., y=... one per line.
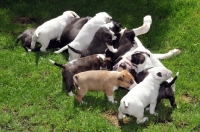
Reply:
x=83, y=102
x=156, y=114
x=147, y=109
x=71, y=94
x=175, y=51
x=147, y=19
x=57, y=52
x=114, y=50
x=142, y=120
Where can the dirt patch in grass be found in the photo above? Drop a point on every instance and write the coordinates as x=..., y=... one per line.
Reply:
x=111, y=116
x=24, y=20
x=189, y=98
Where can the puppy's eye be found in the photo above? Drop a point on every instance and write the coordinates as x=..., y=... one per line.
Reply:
x=159, y=74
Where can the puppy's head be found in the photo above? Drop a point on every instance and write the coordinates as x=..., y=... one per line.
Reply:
x=160, y=73
x=117, y=26
x=140, y=60
x=105, y=16
x=71, y=15
x=126, y=79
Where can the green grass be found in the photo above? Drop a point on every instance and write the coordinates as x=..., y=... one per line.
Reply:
x=31, y=97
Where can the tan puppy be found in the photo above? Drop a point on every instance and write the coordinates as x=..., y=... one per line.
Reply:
x=100, y=80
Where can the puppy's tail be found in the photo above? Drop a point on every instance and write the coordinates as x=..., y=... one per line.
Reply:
x=56, y=64
x=75, y=78
x=173, y=81
x=125, y=104
x=74, y=50
x=18, y=39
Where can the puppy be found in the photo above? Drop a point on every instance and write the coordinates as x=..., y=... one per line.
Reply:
x=71, y=30
x=92, y=62
x=86, y=34
x=165, y=90
x=101, y=41
x=145, y=93
x=106, y=81
x=126, y=40
x=26, y=38
x=52, y=29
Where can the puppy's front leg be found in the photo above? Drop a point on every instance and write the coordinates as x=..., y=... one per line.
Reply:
x=111, y=98
x=152, y=108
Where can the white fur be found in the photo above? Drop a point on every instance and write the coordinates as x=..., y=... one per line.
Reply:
x=102, y=56
x=145, y=93
x=133, y=85
x=111, y=99
x=115, y=88
x=86, y=34
x=145, y=27
x=52, y=29
x=111, y=48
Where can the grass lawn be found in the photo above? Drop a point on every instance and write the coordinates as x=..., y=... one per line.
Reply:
x=31, y=97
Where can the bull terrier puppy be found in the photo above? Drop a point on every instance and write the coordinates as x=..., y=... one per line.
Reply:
x=106, y=81
x=86, y=34
x=145, y=93
x=52, y=29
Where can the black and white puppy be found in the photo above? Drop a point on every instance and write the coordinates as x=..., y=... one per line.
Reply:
x=102, y=40
x=126, y=40
x=86, y=34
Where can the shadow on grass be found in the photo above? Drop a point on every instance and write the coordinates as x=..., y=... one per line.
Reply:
x=40, y=55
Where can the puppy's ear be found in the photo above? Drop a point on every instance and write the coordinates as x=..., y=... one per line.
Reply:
x=121, y=78
x=159, y=74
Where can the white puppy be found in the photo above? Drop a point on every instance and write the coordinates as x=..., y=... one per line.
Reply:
x=86, y=34
x=52, y=29
x=145, y=93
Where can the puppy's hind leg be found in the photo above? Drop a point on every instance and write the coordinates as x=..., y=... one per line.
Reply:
x=170, y=54
x=120, y=116
x=44, y=46
x=61, y=50
x=140, y=116
x=152, y=108
x=145, y=27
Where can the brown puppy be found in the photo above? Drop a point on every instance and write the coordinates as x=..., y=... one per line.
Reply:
x=105, y=81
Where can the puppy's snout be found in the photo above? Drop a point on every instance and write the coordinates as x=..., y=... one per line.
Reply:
x=131, y=82
x=169, y=73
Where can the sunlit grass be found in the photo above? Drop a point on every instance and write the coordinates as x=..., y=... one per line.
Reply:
x=31, y=93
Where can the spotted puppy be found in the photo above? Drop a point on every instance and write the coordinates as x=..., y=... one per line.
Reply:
x=145, y=93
